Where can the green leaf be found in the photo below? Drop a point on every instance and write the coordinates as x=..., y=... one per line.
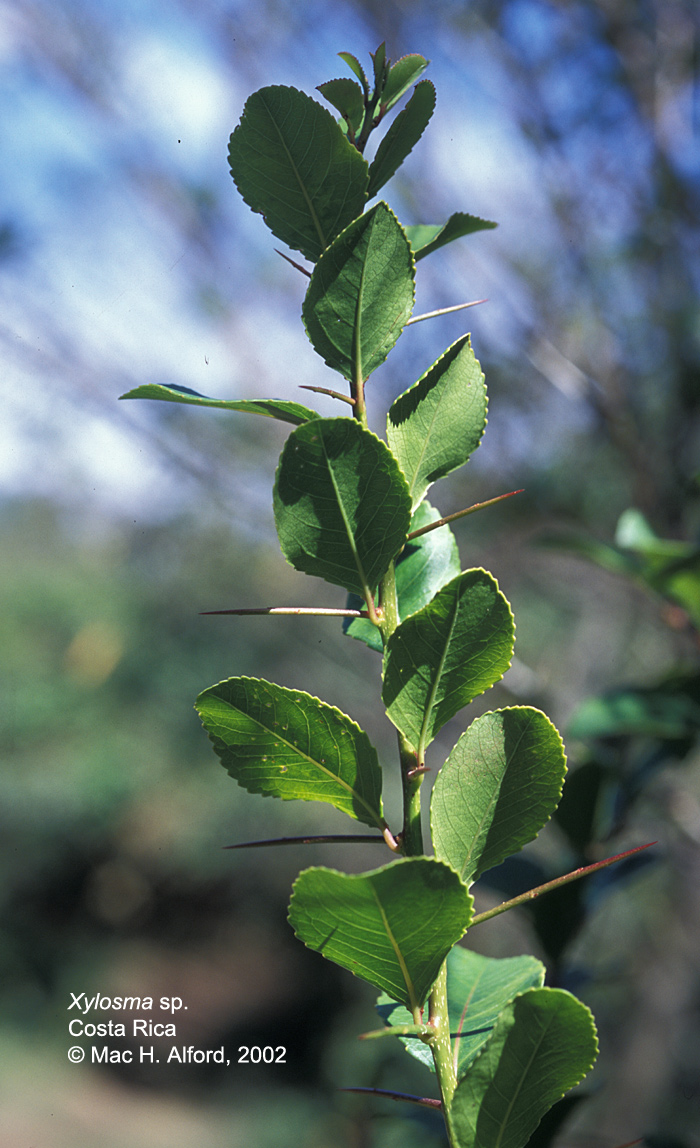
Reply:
x=361, y=294
x=347, y=97
x=545, y=1134
x=424, y=566
x=441, y=658
x=402, y=136
x=401, y=75
x=393, y=926
x=435, y=426
x=292, y=163
x=425, y=237
x=543, y=1044
x=499, y=786
x=355, y=66
x=582, y=804
x=342, y=507
x=287, y=412
x=285, y=743
x=379, y=62
x=478, y=989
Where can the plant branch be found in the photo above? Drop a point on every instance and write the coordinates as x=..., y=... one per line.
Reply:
x=460, y=514
x=441, y=1045
x=389, y=603
x=411, y=779
x=444, y=311
x=575, y=875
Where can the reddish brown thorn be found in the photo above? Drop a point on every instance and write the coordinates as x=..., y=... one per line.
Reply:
x=424, y=1101
x=297, y=265
x=575, y=875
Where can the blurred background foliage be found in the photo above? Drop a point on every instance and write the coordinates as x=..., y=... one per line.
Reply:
x=126, y=257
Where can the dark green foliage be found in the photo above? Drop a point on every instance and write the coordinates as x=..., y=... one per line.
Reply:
x=292, y=163
x=342, y=507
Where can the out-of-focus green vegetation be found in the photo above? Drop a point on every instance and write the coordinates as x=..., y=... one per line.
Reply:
x=114, y=814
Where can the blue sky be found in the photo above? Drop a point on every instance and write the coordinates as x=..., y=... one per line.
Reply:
x=135, y=261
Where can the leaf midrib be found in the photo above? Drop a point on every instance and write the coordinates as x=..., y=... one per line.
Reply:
x=519, y=1087
x=302, y=186
x=399, y=955
x=422, y=740
x=366, y=589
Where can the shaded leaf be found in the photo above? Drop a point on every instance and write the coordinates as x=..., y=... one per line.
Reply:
x=347, y=97
x=441, y=658
x=425, y=237
x=402, y=136
x=379, y=62
x=341, y=504
x=401, y=75
x=578, y=812
x=434, y=427
x=546, y=1131
x=361, y=294
x=292, y=163
x=393, y=926
x=478, y=989
x=498, y=787
x=285, y=743
x=662, y=711
x=543, y=1044
x=424, y=566
x=287, y=412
